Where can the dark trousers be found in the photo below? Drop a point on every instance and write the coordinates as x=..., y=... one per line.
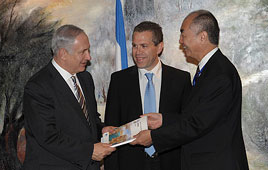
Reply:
x=152, y=163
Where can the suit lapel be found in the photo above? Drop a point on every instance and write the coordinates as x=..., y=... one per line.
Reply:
x=134, y=90
x=209, y=68
x=65, y=94
x=164, y=86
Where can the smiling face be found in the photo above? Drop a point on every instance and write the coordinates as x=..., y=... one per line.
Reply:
x=77, y=59
x=189, y=40
x=144, y=51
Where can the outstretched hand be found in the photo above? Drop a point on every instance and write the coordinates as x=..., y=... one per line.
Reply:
x=109, y=129
x=101, y=150
x=143, y=138
x=154, y=120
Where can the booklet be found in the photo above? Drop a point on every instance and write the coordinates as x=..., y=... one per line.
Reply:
x=124, y=134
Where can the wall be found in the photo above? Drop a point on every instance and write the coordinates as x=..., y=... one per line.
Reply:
x=243, y=38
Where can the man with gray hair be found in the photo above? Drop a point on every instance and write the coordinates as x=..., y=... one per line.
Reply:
x=61, y=119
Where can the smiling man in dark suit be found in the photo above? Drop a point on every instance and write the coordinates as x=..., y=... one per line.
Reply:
x=126, y=99
x=61, y=119
x=209, y=128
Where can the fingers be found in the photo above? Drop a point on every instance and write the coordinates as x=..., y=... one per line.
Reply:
x=154, y=120
x=154, y=116
x=135, y=142
x=109, y=129
x=101, y=150
x=143, y=138
x=149, y=115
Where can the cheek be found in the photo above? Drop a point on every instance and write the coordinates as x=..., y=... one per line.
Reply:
x=134, y=51
x=186, y=41
x=190, y=44
x=81, y=58
x=154, y=52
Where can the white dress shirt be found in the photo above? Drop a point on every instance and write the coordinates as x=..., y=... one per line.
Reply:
x=204, y=60
x=67, y=77
x=157, y=70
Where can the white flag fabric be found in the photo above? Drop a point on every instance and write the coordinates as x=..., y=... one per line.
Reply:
x=121, y=49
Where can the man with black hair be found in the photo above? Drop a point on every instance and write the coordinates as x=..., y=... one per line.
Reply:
x=127, y=99
x=209, y=126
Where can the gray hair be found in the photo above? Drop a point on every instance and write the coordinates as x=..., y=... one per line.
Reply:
x=64, y=37
x=206, y=21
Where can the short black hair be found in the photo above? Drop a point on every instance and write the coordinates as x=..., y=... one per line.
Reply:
x=153, y=27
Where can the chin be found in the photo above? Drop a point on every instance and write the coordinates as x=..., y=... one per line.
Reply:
x=81, y=70
x=140, y=65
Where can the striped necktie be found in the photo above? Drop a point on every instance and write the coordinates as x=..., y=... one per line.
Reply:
x=149, y=105
x=79, y=96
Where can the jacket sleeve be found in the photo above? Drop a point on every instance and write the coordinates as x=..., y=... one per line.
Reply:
x=39, y=111
x=112, y=118
x=211, y=108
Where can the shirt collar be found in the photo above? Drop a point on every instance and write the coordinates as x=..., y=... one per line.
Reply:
x=65, y=74
x=156, y=70
x=205, y=59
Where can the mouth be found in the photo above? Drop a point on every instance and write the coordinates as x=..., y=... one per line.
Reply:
x=139, y=59
x=184, y=47
x=84, y=64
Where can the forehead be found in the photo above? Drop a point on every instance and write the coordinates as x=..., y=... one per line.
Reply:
x=187, y=22
x=81, y=40
x=145, y=35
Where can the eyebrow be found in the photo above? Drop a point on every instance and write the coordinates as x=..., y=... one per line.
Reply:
x=143, y=43
x=85, y=50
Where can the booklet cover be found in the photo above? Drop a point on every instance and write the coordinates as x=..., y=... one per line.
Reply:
x=124, y=134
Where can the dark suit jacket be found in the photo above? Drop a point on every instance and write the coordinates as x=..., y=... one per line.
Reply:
x=209, y=129
x=124, y=105
x=57, y=132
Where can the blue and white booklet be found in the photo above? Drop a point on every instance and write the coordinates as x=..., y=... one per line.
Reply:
x=124, y=134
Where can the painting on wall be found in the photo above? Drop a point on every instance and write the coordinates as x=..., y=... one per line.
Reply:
x=26, y=28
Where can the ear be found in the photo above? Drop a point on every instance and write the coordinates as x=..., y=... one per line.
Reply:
x=63, y=53
x=160, y=48
x=203, y=36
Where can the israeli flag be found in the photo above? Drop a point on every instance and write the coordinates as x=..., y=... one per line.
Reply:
x=121, y=49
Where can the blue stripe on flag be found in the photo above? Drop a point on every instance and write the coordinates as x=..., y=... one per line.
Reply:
x=120, y=35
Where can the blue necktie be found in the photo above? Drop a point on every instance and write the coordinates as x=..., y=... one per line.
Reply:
x=149, y=104
x=196, y=76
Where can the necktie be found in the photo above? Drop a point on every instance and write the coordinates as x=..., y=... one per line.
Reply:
x=80, y=97
x=149, y=104
x=196, y=76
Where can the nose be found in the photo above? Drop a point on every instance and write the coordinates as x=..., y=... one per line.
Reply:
x=138, y=49
x=181, y=40
x=88, y=56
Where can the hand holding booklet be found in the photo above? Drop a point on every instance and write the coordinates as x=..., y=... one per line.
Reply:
x=124, y=134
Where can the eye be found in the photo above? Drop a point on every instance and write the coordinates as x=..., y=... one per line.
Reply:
x=144, y=45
